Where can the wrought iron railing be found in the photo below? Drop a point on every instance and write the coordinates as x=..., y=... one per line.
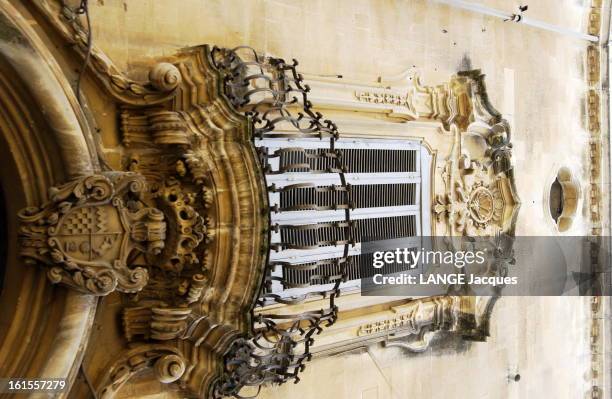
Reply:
x=272, y=94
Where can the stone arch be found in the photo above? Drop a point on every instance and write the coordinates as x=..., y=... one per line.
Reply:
x=43, y=141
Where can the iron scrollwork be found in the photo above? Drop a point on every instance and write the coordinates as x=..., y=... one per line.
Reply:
x=272, y=94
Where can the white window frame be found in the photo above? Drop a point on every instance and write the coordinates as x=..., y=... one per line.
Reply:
x=421, y=209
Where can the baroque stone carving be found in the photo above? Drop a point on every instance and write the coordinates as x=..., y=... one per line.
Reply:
x=420, y=320
x=178, y=233
x=413, y=102
x=90, y=228
x=164, y=78
x=480, y=196
x=197, y=158
x=189, y=321
x=476, y=204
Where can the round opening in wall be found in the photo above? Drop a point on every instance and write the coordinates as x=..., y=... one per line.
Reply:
x=563, y=199
x=556, y=200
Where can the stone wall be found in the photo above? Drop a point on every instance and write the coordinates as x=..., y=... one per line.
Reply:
x=534, y=77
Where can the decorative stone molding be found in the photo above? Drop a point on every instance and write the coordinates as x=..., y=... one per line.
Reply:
x=407, y=101
x=416, y=102
x=594, y=18
x=594, y=127
x=412, y=318
x=178, y=233
x=480, y=196
x=164, y=78
x=382, y=97
x=595, y=196
x=593, y=67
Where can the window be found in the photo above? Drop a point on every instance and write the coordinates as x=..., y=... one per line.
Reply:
x=390, y=194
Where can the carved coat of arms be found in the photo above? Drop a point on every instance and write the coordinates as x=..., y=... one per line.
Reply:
x=89, y=229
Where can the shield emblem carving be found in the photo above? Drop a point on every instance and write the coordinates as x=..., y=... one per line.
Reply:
x=85, y=233
x=92, y=234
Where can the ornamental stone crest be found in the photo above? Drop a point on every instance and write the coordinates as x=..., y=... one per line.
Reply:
x=89, y=229
x=479, y=195
x=477, y=202
x=484, y=204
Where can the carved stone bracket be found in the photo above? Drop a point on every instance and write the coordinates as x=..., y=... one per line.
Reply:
x=417, y=324
x=414, y=325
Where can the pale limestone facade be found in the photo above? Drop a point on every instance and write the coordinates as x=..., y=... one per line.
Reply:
x=537, y=79
x=365, y=40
